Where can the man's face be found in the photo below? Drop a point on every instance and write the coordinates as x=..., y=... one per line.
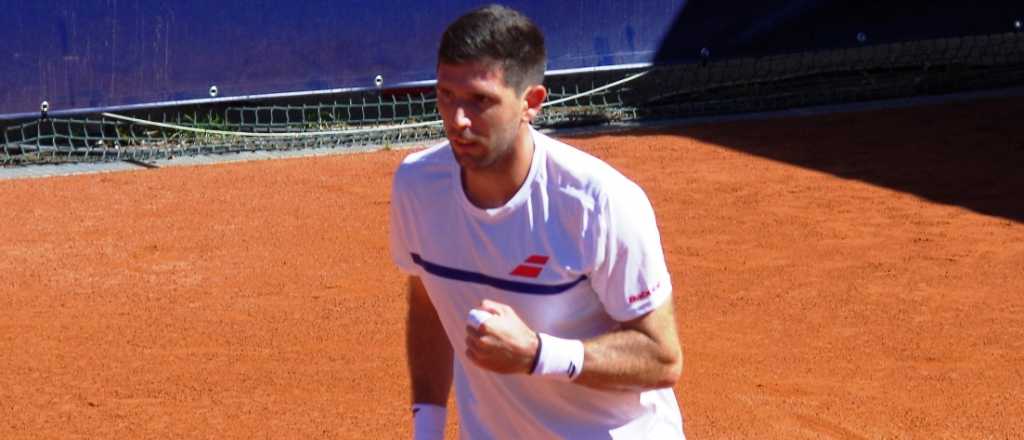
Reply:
x=482, y=115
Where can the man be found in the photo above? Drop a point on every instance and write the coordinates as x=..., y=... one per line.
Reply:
x=538, y=284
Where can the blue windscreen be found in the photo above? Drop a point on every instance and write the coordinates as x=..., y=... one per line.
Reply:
x=87, y=54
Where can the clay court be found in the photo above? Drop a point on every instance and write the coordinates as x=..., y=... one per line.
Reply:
x=849, y=275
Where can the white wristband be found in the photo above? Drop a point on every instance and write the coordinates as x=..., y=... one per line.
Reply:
x=559, y=358
x=428, y=421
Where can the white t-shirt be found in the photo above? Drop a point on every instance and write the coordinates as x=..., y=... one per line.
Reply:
x=573, y=252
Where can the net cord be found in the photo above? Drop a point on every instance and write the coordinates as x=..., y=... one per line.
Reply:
x=350, y=131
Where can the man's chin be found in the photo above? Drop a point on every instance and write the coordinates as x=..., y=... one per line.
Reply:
x=473, y=162
x=466, y=161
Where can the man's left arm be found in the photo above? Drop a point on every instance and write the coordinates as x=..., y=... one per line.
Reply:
x=643, y=353
x=640, y=354
x=632, y=281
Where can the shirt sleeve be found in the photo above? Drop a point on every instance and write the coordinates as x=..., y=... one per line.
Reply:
x=630, y=275
x=400, y=228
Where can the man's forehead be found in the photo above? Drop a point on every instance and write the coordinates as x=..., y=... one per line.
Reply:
x=472, y=70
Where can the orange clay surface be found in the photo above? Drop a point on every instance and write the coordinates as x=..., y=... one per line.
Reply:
x=853, y=275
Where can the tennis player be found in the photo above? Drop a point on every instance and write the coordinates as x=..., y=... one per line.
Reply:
x=537, y=280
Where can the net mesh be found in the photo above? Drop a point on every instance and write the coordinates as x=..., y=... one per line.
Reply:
x=394, y=117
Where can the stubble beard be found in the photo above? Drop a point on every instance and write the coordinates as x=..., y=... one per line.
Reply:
x=497, y=155
x=490, y=161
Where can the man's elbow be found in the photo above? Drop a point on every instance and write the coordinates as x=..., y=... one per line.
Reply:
x=671, y=369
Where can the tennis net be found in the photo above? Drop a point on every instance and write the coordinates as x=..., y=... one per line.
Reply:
x=402, y=116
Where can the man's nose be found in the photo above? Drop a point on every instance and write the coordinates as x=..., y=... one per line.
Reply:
x=460, y=119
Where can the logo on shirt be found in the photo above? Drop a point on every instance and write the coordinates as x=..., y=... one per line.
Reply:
x=643, y=295
x=572, y=369
x=530, y=268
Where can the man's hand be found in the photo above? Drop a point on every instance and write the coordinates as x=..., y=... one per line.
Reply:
x=503, y=343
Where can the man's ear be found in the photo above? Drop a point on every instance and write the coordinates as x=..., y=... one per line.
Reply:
x=534, y=99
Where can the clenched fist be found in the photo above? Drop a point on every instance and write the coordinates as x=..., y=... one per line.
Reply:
x=503, y=343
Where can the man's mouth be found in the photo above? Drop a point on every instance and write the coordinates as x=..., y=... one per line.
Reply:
x=463, y=144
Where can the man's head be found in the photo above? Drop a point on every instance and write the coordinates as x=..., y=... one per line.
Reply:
x=496, y=34
x=490, y=72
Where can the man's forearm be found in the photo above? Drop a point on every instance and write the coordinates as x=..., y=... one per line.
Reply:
x=429, y=351
x=641, y=354
x=645, y=357
x=628, y=360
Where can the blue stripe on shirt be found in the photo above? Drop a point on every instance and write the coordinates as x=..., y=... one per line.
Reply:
x=497, y=283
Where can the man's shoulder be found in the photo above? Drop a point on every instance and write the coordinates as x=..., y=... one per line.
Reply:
x=426, y=165
x=580, y=172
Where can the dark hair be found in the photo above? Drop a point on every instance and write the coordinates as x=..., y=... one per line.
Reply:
x=497, y=34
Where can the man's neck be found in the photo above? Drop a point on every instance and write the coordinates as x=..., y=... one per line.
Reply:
x=495, y=186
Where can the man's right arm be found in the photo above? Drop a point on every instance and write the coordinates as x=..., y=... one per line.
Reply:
x=429, y=351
